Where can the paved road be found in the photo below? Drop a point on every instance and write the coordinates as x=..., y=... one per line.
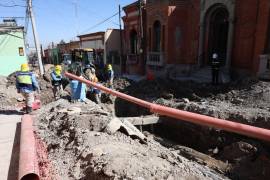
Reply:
x=9, y=146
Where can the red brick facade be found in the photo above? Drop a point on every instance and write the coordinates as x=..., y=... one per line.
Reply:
x=134, y=38
x=187, y=32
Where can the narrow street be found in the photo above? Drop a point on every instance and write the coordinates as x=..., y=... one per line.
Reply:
x=135, y=89
x=9, y=146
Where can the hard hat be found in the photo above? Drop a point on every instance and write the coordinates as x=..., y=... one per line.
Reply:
x=24, y=67
x=215, y=56
x=109, y=67
x=93, y=71
x=58, y=68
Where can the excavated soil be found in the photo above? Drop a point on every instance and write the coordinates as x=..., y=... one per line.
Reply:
x=8, y=97
x=80, y=149
x=246, y=101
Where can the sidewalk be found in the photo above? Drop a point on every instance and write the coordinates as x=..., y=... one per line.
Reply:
x=9, y=146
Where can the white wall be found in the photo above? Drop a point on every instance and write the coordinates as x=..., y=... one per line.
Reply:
x=94, y=44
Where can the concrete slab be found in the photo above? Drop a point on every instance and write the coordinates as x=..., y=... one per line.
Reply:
x=143, y=120
x=9, y=146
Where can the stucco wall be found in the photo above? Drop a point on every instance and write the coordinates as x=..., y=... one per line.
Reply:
x=10, y=60
x=94, y=44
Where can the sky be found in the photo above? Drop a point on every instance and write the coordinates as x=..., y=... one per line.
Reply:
x=56, y=20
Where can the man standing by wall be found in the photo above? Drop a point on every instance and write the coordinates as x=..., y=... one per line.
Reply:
x=215, y=69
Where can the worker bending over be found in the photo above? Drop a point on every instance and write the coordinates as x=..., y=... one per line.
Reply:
x=57, y=82
x=26, y=84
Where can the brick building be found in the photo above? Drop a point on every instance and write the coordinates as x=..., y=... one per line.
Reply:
x=67, y=47
x=182, y=35
x=135, y=35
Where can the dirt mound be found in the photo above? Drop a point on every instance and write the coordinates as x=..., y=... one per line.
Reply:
x=246, y=101
x=79, y=148
x=8, y=95
x=121, y=83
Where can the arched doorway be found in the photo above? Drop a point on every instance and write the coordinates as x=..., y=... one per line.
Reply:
x=156, y=36
x=133, y=42
x=218, y=28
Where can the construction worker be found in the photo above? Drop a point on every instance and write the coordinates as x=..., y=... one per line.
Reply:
x=57, y=82
x=93, y=92
x=215, y=69
x=110, y=75
x=26, y=84
x=78, y=89
x=88, y=71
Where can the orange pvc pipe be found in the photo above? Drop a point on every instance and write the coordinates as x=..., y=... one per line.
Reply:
x=28, y=165
x=239, y=128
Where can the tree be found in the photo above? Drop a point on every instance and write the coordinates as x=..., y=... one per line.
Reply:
x=62, y=42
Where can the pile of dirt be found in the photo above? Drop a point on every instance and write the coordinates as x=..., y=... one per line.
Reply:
x=80, y=149
x=246, y=101
x=120, y=84
x=8, y=95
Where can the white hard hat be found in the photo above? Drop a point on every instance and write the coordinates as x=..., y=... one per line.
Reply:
x=93, y=70
x=215, y=56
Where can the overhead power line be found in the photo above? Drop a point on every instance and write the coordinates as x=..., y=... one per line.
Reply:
x=10, y=6
x=11, y=17
x=98, y=24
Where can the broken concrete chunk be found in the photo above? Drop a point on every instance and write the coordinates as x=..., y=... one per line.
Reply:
x=20, y=99
x=132, y=130
x=215, y=151
x=115, y=124
x=71, y=110
x=97, y=152
x=186, y=100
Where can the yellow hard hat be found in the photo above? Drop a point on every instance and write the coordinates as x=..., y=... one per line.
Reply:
x=58, y=68
x=24, y=67
x=109, y=67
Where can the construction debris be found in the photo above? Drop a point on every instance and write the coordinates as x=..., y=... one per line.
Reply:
x=80, y=148
x=90, y=141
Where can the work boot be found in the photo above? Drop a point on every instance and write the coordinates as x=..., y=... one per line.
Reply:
x=29, y=110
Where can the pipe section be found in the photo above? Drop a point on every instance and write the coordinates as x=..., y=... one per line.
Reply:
x=28, y=165
x=239, y=128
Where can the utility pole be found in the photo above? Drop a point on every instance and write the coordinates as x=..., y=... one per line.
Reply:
x=76, y=16
x=36, y=39
x=142, y=40
x=141, y=18
x=122, y=65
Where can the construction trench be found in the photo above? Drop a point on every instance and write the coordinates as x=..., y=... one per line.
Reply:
x=89, y=141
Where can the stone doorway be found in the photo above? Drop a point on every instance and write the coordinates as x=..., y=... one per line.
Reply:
x=218, y=28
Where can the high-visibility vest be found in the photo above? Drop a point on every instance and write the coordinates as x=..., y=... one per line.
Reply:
x=25, y=79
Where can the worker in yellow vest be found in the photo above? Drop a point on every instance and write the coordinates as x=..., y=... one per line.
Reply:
x=26, y=84
x=56, y=76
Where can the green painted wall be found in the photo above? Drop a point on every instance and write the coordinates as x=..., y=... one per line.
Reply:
x=10, y=60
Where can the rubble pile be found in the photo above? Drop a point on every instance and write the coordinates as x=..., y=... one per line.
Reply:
x=79, y=148
x=87, y=141
x=247, y=101
x=8, y=95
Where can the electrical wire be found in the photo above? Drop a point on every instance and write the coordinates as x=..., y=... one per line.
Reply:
x=10, y=6
x=98, y=24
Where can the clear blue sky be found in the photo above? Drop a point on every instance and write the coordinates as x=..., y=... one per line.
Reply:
x=56, y=19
